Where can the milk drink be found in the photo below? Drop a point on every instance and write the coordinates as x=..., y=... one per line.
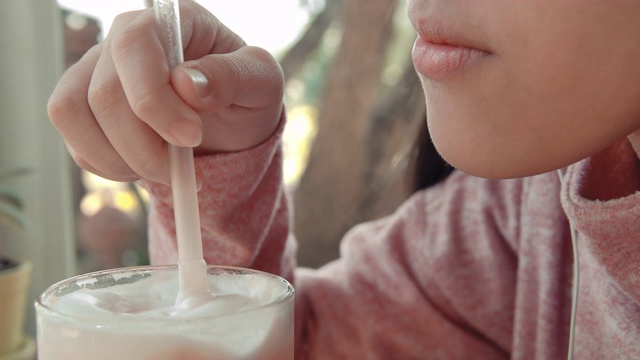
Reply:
x=131, y=313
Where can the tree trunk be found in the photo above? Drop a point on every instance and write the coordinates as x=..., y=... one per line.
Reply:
x=295, y=58
x=328, y=195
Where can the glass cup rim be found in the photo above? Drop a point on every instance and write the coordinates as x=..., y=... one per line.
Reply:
x=41, y=305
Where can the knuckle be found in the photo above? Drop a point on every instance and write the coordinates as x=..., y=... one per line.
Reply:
x=264, y=57
x=127, y=38
x=102, y=93
x=267, y=67
x=61, y=109
x=261, y=53
x=122, y=43
x=237, y=74
x=123, y=20
x=239, y=68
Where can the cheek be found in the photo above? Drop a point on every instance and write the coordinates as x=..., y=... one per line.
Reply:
x=481, y=127
x=539, y=104
x=562, y=85
x=493, y=129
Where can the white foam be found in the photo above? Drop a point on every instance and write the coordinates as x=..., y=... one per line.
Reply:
x=140, y=319
x=155, y=297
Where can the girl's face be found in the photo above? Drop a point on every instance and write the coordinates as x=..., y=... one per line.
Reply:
x=516, y=88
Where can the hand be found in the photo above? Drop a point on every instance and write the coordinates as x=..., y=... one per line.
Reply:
x=119, y=106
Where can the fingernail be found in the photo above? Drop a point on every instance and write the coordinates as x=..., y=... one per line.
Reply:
x=186, y=133
x=199, y=81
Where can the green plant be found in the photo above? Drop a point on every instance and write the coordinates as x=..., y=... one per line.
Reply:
x=11, y=199
x=11, y=208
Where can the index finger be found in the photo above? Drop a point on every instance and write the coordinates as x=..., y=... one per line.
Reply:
x=144, y=74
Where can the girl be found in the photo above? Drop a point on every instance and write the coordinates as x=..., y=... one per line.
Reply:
x=471, y=268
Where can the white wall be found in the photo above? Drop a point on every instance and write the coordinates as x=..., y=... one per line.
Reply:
x=31, y=61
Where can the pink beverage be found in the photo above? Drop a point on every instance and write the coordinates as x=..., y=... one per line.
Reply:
x=130, y=313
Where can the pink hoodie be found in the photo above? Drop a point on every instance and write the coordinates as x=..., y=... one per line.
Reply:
x=468, y=269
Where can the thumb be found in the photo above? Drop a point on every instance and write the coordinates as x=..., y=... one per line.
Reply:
x=248, y=77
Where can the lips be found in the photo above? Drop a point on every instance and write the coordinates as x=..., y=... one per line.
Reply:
x=444, y=61
x=440, y=53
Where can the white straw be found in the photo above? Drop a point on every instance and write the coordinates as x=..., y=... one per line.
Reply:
x=191, y=265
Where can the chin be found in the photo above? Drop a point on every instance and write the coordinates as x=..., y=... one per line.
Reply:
x=492, y=170
x=497, y=163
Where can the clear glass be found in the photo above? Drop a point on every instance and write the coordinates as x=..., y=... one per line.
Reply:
x=263, y=330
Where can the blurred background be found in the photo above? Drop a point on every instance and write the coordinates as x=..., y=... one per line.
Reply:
x=354, y=109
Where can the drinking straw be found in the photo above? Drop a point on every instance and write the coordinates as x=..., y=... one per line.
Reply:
x=191, y=265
